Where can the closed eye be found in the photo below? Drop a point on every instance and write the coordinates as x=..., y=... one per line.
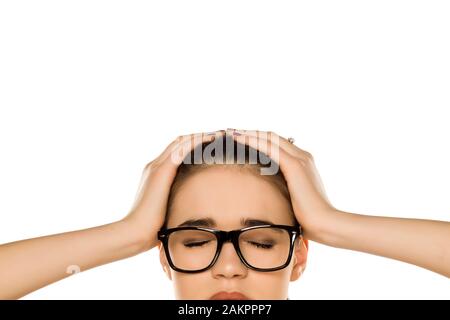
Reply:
x=261, y=245
x=196, y=244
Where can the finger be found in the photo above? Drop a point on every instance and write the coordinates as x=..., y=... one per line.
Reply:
x=279, y=155
x=183, y=138
x=281, y=141
x=183, y=145
x=303, y=157
x=180, y=139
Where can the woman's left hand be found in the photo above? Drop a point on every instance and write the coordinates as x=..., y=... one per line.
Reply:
x=421, y=242
x=311, y=205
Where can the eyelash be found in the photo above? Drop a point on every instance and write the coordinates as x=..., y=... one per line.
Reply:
x=261, y=245
x=256, y=244
x=195, y=244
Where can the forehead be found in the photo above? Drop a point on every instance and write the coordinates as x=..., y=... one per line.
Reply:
x=228, y=196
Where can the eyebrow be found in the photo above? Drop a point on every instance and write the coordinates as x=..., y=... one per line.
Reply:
x=210, y=223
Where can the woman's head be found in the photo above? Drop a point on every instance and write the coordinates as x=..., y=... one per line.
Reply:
x=231, y=196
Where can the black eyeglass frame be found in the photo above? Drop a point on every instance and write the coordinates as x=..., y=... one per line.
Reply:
x=233, y=237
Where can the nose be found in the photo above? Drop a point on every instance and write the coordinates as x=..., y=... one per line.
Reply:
x=228, y=264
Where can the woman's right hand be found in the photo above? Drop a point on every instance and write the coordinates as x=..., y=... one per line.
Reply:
x=22, y=269
x=148, y=212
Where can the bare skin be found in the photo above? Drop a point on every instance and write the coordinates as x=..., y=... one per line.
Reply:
x=424, y=243
x=227, y=197
x=28, y=265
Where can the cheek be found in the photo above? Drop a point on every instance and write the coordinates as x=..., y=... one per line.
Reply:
x=269, y=285
x=192, y=286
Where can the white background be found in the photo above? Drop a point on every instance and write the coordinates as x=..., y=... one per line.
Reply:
x=90, y=91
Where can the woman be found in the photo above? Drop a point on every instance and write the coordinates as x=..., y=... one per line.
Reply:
x=187, y=209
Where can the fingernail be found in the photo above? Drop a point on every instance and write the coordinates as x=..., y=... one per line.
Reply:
x=236, y=133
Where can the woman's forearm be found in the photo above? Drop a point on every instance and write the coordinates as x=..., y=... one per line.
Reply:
x=425, y=243
x=31, y=264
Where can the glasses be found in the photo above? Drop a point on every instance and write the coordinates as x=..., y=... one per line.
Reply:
x=261, y=248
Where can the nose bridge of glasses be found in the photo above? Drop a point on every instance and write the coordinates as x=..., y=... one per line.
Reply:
x=228, y=236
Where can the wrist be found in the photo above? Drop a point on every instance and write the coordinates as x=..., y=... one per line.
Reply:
x=141, y=239
x=330, y=228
